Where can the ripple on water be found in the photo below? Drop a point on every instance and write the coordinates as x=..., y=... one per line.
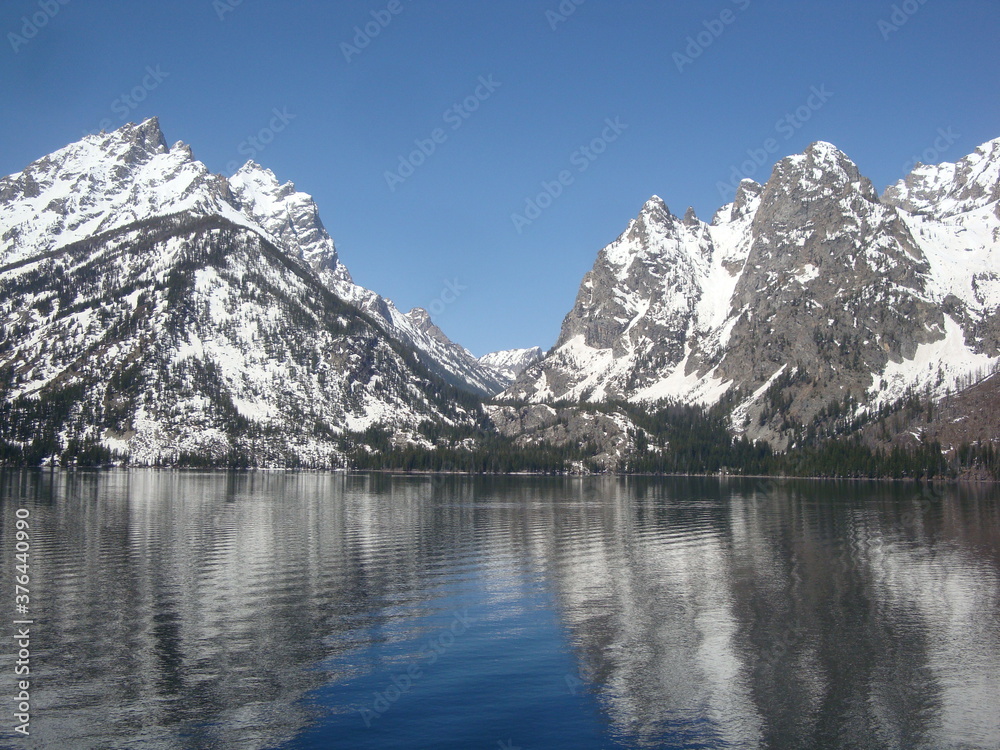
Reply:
x=264, y=610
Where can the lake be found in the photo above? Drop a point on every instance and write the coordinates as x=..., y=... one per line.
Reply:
x=296, y=610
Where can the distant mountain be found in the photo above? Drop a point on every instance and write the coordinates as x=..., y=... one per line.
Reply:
x=806, y=291
x=510, y=363
x=149, y=306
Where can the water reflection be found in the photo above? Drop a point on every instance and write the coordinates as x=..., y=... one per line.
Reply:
x=197, y=610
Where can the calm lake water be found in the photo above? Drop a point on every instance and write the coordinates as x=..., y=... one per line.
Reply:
x=269, y=610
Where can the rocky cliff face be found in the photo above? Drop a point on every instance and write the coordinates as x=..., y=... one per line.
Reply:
x=806, y=290
x=635, y=310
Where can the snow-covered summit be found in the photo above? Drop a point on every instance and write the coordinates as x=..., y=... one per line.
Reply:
x=151, y=307
x=288, y=215
x=509, y=363
x=99, y=183
x=111, y=180
x=949, y=189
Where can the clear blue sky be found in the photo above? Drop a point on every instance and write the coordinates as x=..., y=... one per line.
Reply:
x=888, y=91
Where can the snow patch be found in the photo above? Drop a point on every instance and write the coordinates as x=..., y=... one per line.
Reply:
x=937, y=367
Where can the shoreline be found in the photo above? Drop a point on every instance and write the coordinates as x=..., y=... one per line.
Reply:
x=535, y=474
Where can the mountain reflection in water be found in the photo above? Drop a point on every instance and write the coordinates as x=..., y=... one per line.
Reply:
x=261, y=610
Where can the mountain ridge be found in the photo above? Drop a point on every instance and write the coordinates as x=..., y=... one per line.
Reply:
x=812, y=276
x=106, y=180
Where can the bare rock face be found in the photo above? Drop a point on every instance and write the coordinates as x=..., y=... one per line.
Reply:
x=834, y=286
x=806, y=290
x=658, y=252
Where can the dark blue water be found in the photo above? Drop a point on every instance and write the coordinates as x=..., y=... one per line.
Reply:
x=268, y=610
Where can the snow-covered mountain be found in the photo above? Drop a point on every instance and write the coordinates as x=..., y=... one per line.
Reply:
x=150, y=306
x=510, y=363
x=803, y=291
x=110, y=180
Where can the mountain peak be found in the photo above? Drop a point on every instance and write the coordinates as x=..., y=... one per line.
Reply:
x=509, y=363
x=182, y=148
x=654, y=213
x=821, y=171
x=420, y=316
x=949, y=189
x=421, y=320
x=253, y=168
x=146, y=134
x=809, y=287
x=748, y=192
x=110, y=184
x=824, y=157
x=655, y=207
x=98, y=183
x=744, y=203
x=824, y=148
x=263, y=180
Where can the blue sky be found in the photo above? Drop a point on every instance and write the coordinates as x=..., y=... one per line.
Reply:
x=698, y=93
